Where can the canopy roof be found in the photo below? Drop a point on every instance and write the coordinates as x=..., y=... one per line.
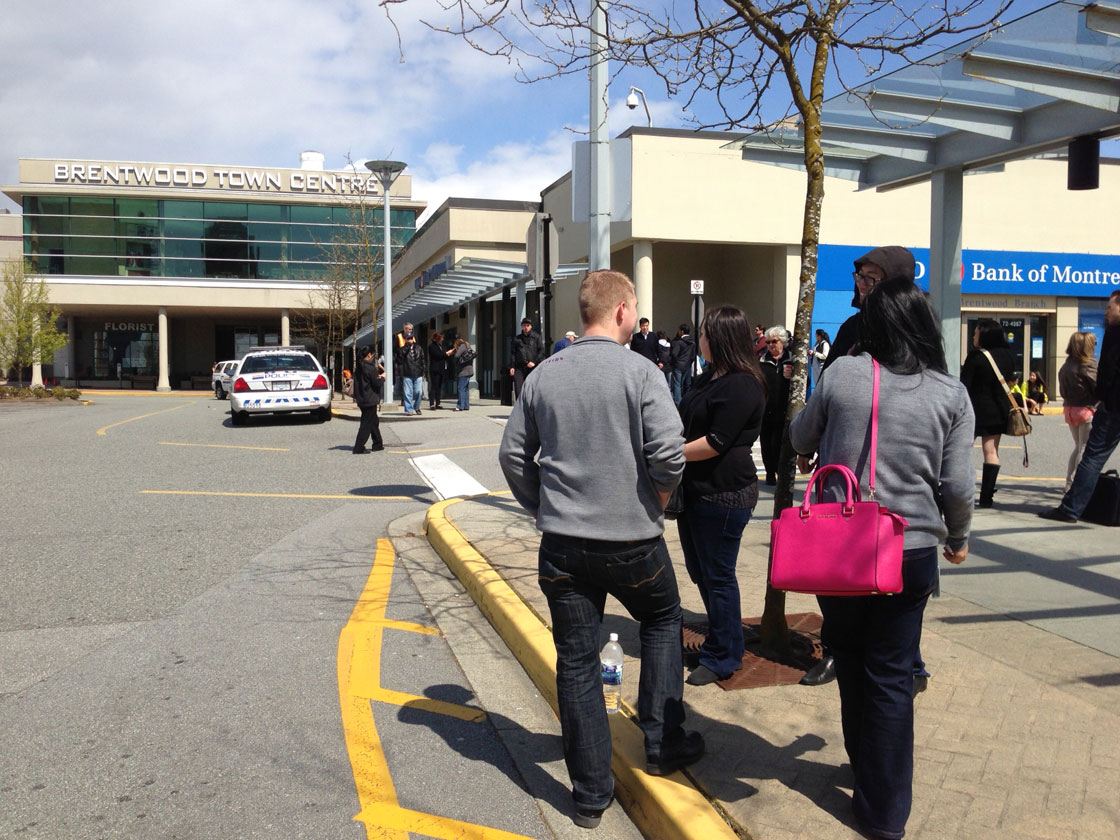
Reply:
x=1029, y=86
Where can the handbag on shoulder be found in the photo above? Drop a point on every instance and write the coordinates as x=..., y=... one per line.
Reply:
x=1018, y=421
x=839, y=548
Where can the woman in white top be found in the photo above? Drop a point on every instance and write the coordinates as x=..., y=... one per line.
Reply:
x=818, y=355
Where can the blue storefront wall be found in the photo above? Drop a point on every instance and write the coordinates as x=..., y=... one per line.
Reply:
x=1090, y=277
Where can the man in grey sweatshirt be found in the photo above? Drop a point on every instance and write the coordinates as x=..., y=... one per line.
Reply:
x=593, y=449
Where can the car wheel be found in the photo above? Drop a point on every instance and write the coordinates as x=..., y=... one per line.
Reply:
x=219, y=394
x=324, y=415
x=238, y=418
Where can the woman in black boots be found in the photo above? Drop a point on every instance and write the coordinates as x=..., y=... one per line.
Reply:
x=989, y=400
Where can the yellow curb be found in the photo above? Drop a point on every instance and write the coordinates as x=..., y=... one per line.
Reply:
x=666, y=807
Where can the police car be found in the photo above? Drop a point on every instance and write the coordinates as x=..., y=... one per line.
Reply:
x=278, y=380
x=221, y=379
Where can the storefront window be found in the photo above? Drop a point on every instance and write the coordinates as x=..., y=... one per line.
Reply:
x=133, y=346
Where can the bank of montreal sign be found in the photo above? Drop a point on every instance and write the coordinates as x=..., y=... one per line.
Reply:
x=993, y=272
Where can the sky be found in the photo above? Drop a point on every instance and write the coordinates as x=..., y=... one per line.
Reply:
x=255, y=82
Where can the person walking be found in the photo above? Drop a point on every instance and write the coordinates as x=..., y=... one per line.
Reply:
x=1105, y=434
x=409, y=360
x=437, y=370
x=989, y=400
x=923, y=467
x=463, y=358
x=1077, y=381
x=777, y=367
x=528, y=352
x=682, y=356
x=722, y=416
x=367, y=394
x=561, y=343
x=607, y=538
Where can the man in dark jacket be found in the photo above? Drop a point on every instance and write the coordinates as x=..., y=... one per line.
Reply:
x=408, y=360
x=528, y=352
x=645, y=342
x=887, y=263
x=1105, y=434
x=367, y=388
x=682, y=356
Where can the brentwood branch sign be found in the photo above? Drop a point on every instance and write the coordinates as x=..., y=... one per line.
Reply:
x=213, y=178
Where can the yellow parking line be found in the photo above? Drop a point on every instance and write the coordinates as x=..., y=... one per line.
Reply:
x=278, y=495
x=225, y=446
x=359, y=677
x=442, y=449
x=103, y=429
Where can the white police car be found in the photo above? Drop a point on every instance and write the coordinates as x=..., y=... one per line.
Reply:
x=278, y=380
x=221, y=379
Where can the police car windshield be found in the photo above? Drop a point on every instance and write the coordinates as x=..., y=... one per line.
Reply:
x=278, y=361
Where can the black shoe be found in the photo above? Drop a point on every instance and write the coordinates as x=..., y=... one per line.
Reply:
x=1057, y=515
x=771, y=480
x=418, y=412
x=589, y=817
x=821, y=673
x=690, y=750
x=359, y=451
x=921, y=683
x=703, y=675
x=377, y=448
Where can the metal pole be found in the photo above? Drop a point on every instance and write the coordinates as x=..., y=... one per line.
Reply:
x=387, y=307
x=599, y=221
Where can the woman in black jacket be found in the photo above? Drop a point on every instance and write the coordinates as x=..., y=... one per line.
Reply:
x=722, y=415
x=777, y=366
x=989, y=400
x=437, y=370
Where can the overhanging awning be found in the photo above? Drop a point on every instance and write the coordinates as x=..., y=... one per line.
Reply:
x=1028, y=87
x=470, y=280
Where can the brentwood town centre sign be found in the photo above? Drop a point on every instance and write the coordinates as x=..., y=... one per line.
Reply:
x=214, y=178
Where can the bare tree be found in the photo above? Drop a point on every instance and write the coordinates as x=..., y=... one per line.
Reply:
x=28, y=323
x=760, y=65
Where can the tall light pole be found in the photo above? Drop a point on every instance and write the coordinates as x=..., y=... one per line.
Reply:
x=386, y=171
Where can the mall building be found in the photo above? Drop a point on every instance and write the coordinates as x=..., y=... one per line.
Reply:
x=159, y=270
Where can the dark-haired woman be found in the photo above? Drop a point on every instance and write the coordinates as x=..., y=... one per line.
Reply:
x=989, y=400
x=923, y=455
x=437, y=370
x=722, y=415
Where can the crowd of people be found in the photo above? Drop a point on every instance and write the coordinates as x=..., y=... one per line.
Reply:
x=682, y=415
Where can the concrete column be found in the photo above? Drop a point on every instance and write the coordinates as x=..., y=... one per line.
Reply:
x=71, y=369
x=164, y=340
x=472, y=338
x=643, y=278
x=946, y=201
x=285, y=328
x=36, y=363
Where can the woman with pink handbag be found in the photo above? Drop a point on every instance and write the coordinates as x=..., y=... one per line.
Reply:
x=922, y=467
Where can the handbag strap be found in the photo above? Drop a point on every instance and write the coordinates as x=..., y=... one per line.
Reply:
x=1002, y=381
x=874, y=425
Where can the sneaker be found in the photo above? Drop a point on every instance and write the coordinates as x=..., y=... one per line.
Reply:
x=702, y=675
x=1057, y=515
x=690, y=750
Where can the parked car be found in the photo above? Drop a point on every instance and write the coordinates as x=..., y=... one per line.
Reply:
x=222, y=378
x=279, y=380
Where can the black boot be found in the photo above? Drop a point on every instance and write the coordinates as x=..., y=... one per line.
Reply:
x=988, y=485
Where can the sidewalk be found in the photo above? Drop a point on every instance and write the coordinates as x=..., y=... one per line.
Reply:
x=1017, y=736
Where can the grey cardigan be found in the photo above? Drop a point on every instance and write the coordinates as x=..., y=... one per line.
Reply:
x=925, y=444
x=592, y=440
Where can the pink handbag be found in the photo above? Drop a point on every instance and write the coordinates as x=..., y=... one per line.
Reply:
x=839, y=548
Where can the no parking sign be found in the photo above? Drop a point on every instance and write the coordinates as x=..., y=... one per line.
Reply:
x=696, y=287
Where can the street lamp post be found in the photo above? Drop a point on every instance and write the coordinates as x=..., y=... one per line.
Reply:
x=386, y=171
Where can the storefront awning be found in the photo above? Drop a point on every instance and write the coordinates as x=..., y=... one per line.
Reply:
x=1030, y=86
x=470, y=280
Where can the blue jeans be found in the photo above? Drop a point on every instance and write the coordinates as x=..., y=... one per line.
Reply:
x=710, y=538
x=1103, y=438
x=413, y=392
x=680, y=383
x=875, y=641
x=464, y=393
x=576, y=575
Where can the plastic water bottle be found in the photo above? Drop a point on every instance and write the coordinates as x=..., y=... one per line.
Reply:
x=611, y=659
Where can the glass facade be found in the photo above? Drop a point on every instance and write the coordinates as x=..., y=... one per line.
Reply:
x=138, y=237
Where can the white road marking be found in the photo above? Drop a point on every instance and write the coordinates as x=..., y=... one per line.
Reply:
x=447, y=478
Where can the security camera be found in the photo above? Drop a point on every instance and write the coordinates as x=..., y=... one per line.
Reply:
x=632, y=100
